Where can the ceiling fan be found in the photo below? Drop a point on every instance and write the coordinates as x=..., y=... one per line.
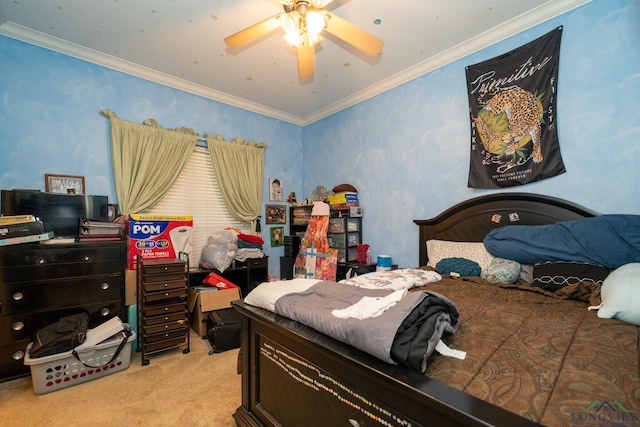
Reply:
x=303, y=21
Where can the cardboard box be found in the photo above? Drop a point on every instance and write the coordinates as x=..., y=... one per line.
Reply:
x=130, y=287
x=348, y=198
x=203, y=299
x=158, y=236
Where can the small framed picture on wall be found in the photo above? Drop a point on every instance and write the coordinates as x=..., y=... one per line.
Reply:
x=275, y=214
x=275, y=189
x=277, y=236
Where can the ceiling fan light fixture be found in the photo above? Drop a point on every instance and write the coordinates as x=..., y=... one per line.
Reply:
x=303, y=21
x=315, y=23
x=292, y=28
x=303, y=25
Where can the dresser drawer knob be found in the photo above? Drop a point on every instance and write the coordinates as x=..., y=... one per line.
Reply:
x=18, y=355
x=18, y=296
x=166, y=284
x=41, y=261
x=86, y=258
x=104, y=286
x=17, y=326
x=105, y=311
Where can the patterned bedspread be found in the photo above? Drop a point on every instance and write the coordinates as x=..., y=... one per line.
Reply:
x=541, y=356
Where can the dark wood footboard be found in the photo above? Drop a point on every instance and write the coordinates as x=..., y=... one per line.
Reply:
x=293, y=375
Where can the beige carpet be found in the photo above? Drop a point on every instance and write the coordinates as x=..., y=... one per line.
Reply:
x=175, y=389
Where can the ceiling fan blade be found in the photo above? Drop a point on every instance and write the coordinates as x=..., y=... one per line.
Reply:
x=305, y=60
x=353, y=35
x=253, y=32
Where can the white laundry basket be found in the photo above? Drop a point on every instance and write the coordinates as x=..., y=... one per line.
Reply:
x=62, y=370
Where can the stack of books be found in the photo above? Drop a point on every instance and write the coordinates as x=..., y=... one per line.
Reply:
x=301, y=215
x=100, y=231
x=15, y=229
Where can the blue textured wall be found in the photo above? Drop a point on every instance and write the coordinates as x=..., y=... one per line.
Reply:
x=405, y=150
x=50, y=122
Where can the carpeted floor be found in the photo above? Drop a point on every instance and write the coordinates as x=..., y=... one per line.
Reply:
x=175, y=389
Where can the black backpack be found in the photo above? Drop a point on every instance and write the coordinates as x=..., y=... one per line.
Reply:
x=63, y=335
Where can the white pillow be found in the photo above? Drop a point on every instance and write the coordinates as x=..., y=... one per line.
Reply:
x=620, y=293
x=475, y=251
x=266, y=294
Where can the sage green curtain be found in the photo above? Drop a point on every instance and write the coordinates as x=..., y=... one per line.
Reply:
x=239, y=167
x=147, y=159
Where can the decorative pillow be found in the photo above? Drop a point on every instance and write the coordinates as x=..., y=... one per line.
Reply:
x=620, y=294
x=555, y=275
x=461, y=266
x=502, y=271
x=440, y=249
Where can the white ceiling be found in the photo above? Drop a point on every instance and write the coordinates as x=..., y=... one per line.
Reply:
x=179, y=43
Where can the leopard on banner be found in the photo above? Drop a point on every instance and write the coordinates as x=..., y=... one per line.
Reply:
x=512, y=104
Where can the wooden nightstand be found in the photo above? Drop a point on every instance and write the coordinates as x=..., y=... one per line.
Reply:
x=357, y=267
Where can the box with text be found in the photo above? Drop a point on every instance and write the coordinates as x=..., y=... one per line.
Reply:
x=158, y=236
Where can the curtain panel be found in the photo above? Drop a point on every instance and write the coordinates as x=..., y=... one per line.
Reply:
x=147, y=159
x=239, y=167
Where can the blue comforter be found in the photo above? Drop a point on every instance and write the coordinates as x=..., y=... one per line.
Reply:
x=608, y=240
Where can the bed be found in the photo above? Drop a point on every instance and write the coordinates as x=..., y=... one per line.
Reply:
x=294, y=375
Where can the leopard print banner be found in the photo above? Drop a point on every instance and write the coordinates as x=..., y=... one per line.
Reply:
x=512, y=104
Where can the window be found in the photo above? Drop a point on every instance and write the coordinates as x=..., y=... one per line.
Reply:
x=196, y=193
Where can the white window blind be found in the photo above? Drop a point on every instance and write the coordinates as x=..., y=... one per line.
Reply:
x=196, y=193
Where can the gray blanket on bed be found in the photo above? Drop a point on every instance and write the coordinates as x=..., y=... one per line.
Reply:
x=405, y=334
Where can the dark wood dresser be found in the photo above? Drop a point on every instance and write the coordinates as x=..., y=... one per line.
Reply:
x=40, y=283
x=163, y=318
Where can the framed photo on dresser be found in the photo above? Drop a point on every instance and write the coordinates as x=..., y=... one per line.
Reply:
x=65, y=184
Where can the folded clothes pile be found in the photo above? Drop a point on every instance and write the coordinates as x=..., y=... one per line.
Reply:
x=249, y=246
x=249, y=241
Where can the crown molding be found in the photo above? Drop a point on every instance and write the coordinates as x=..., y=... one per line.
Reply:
x=37, y=38
x=542, y=13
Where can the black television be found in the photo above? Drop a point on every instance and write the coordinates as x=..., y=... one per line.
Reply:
x=59, y=213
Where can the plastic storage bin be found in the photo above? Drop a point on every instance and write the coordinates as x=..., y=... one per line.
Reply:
x=62, y=370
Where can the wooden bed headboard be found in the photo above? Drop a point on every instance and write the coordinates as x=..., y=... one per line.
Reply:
x=471, y=220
